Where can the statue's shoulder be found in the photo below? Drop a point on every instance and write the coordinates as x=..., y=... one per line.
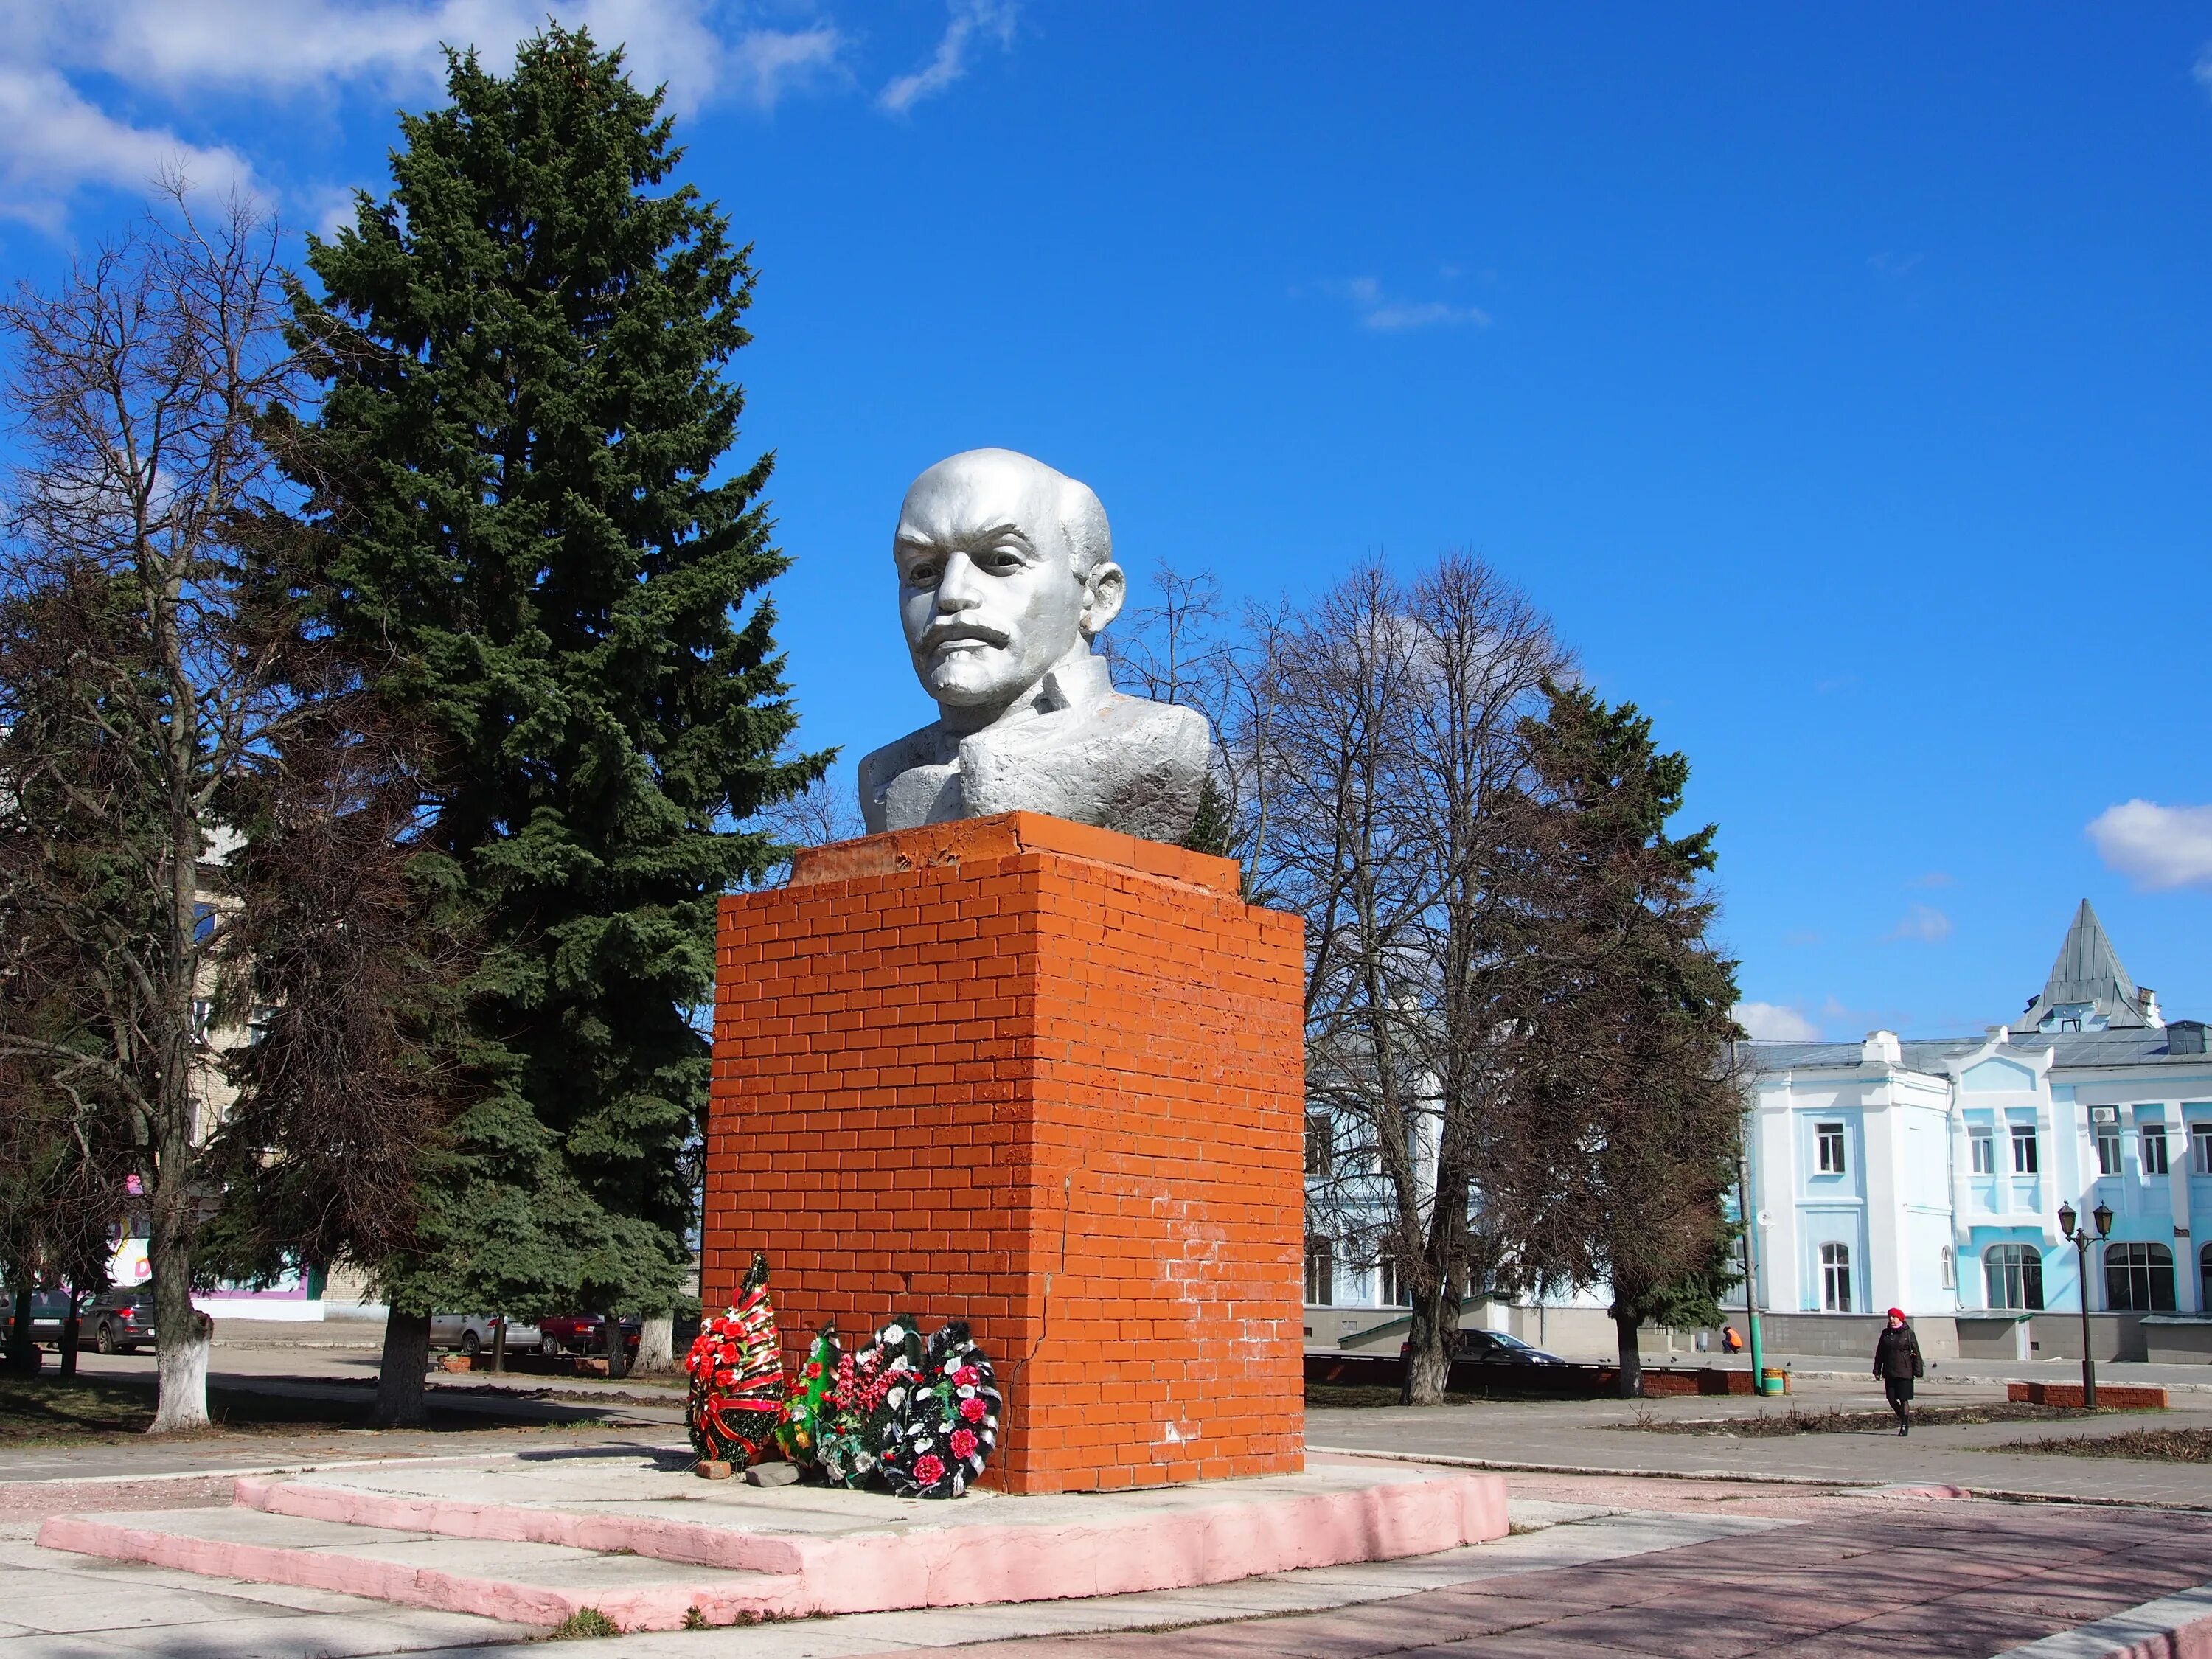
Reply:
x=881, y=768
x=1168, y=720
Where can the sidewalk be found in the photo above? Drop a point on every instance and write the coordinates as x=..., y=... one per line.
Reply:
x=1599, y=1436
x=1602, y=1564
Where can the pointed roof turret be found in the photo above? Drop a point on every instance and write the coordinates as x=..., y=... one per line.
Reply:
x=2087, y=984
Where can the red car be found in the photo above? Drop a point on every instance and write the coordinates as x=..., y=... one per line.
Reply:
x=584, y=1334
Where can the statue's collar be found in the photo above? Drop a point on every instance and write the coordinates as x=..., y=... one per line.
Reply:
x=1083, y=680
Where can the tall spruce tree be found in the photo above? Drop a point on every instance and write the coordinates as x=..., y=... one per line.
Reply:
x=1606, y=1158
x=533, y=549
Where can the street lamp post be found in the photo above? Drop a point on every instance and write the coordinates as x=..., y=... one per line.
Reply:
x=2079, y=1237
x=1750, y=1272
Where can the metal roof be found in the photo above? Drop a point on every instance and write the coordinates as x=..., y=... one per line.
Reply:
x=2087, y=972
x=2140, y=1046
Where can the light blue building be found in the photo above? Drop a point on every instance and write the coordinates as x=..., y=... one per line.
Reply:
x=1929, y=1174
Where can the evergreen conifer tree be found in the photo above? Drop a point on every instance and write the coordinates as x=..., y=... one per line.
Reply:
x=532, y=550
x=1607, y=1158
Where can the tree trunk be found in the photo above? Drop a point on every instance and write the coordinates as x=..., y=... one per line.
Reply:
x=182, y=1333
x=617, y=1349
x=1624, y=1328
x=1428, y=1349
x=499, y=1347
x=656, y=1346
x=181, y=1364
x=23, y=1352
x=399, y=1378
x=72, y=1334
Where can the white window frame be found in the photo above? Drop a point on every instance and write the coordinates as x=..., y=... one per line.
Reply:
x=2007, y=1271
x=1830, y=1155
x=2026, y=1158
x=1390, y=1288
x=2200, y=1149
x=2153, y=1149
x=1320, y=1143
x=1982, y=1150
x=1321, y=1272
x=2109, y=1161
x=1836, y=1277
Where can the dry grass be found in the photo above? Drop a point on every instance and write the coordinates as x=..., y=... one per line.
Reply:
x=1765, y=1424
x=1351, y=1395
x=103, y=1411
x=2150, y=1445
x=94, y=1411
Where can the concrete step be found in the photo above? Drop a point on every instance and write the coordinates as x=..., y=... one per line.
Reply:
x=520, y=1581
x=635, y=1529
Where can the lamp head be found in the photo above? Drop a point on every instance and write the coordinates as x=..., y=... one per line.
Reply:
x=2104, y=1214
x=2067, y=1217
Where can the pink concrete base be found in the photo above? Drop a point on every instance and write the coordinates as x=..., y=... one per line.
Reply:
x=859, y=1573
x=648, y=1607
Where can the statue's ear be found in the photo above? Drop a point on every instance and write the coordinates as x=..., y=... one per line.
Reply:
x=1104, y=594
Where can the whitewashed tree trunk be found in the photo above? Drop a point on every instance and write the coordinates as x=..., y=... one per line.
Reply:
x=181, y=1361
x=656, y=1346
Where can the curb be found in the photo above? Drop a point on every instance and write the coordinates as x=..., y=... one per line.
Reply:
x=2172, y=1627
x=1842, y=1484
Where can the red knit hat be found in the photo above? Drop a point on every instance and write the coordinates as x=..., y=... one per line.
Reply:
x=1897, y=1313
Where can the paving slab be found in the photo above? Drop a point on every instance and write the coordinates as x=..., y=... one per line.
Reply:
x=1889, y=1582
x=66, y=1607
x=1600, y=1437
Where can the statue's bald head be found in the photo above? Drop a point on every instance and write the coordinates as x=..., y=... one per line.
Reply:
x=975, y=482
x=1005, y=567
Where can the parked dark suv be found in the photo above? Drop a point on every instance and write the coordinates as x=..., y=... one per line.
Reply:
x=117, y=1322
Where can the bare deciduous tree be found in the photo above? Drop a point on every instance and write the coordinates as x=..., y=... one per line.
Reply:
x=131, y=701
x=1398, y=729
x=1364, y=742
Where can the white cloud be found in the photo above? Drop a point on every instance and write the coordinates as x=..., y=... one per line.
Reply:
x=1378, y=311
x=1933, y=878
x=282, y=48
x=2156, y=846
x=970, y=18
x=55, y=139
x=1769, y=1022
x=57, y=143
x=1925, y=923
x=765, y=64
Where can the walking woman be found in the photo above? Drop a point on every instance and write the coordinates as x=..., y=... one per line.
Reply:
x=1897, y=1362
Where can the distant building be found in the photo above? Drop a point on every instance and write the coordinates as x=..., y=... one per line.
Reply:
x=1929, y=1174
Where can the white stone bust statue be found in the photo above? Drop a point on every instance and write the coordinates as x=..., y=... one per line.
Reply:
x=1006, y=576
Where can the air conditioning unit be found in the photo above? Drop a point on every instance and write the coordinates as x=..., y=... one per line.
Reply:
x=2104, y=1114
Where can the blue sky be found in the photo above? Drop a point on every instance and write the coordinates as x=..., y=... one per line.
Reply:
x=1842, y=384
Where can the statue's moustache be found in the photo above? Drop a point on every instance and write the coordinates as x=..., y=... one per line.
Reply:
x=945, y=633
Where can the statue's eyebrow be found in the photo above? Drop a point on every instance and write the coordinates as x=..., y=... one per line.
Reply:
x=998, y=534
x=920, y=541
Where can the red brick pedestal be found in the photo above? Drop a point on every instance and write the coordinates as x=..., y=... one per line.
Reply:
x=1045, y=1078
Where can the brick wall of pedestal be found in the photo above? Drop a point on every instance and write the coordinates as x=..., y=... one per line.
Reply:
x=1047, y=1079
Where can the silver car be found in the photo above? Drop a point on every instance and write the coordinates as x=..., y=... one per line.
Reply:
x=473, y=1334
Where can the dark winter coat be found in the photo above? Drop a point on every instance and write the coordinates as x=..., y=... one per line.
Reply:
x=1897, y=1353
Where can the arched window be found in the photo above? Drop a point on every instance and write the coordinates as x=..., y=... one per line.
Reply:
x=2012, y=1274
x=2138, y=1278
x=1836, y=1278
